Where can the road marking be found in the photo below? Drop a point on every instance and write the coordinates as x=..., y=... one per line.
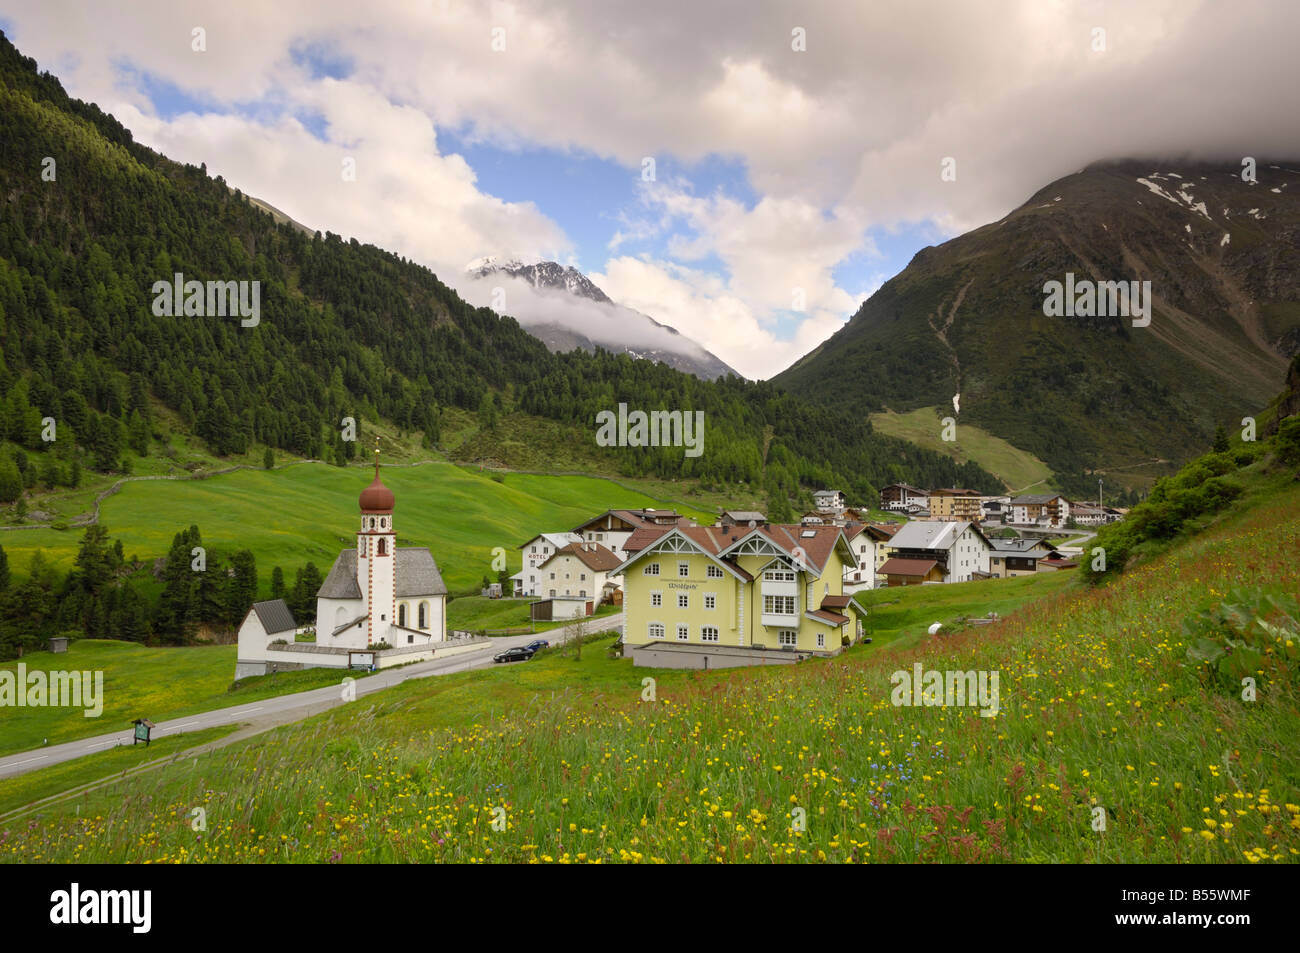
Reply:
x=188, y=724
x=29, y=760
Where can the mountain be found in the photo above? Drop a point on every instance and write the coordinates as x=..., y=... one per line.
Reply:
x=344, y=329
x=562, y=324
x=1091, y=394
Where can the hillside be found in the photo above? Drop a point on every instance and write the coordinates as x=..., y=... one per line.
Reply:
x=1092, y=393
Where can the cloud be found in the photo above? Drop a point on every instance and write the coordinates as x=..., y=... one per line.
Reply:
x=836, y=141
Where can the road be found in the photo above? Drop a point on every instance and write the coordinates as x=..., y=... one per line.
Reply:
x=283, y=709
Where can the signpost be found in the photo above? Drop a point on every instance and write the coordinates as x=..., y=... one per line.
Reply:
x=142, y=727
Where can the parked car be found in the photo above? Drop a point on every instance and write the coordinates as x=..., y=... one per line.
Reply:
x=537, y=645
x=517, y=654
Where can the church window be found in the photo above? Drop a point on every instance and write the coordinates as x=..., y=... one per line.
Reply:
x=401, y=615
x=383, y=547
x=424, y=615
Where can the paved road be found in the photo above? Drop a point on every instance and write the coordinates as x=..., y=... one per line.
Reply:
x=283, y=709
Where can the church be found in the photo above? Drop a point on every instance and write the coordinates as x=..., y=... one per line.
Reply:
x=380, y=593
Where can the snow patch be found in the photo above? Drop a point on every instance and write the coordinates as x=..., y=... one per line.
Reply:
x=1226, y=238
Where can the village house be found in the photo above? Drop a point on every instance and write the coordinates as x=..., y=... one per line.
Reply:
x=535, y=552
x=578, y=569
x=955, y=504
x=928, y=551
x=1016, y=557
x=717, y=597
x=613, y=527
x=744, y=518
x=903, y=497
x=1040, y=509
x=869, y=543
x=829, y=501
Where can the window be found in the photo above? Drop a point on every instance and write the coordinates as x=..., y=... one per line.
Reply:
x=778, y=575
x=788, y=637
x=778, y=605
x=683, y=632
x=683, y=569
x=424, y=615
x=709, y=633
x=683, y=600
x=401, y=615
x=715, y=572
x=534, y=550
x=383, y=546
x=552, y=593
x=652, y=569
x=710, y=601
x=583, y=593
x=582, y=576
x=656, y=600
x=410, y=639
x=821, y=640
x=656, y=630
x=552, y=575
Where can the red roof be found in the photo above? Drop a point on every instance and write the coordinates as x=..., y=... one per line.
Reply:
x=907, y=567
x=836, y=602
x=834, y=618
x=593, y=555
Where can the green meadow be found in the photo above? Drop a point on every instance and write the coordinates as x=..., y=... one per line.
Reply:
x=143, y=682
x=307, y=513
x=1018, y=469
x=1111, y=744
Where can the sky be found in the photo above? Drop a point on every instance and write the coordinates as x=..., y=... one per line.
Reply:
x=745, y=172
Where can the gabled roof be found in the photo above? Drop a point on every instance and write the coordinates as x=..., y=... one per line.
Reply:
x=592, y=555
x=275, y=616
x=1031, y=498
x=953, y=491
x=417, y=573
x=906, y=567
x=929, y=534
x=816, y=542
x=835, y=602
x=905, y=486
x=634, y=519
x=708, y=540
x=341, y=583
x=831, y=618
x=744, y=516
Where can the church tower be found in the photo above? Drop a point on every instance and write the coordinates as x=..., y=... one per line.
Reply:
x=377, y=558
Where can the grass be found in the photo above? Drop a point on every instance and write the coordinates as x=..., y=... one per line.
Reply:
x=1018, y=469
x=139, y=681
x=1100, y=708
x=309, y=512
x=903, y=614
x=477, y=612
x=26, y=788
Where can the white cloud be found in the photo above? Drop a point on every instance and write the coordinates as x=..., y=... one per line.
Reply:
x=841, y=138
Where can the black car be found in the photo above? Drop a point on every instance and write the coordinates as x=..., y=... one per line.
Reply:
x=517, y=654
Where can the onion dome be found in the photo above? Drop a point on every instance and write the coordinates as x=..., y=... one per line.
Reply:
x=376, y=498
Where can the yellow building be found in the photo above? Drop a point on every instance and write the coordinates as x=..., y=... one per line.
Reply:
x=764, y=595
x=953, y=504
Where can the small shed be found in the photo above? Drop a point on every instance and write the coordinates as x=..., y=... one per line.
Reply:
x=559, y=607
x=59, y=643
